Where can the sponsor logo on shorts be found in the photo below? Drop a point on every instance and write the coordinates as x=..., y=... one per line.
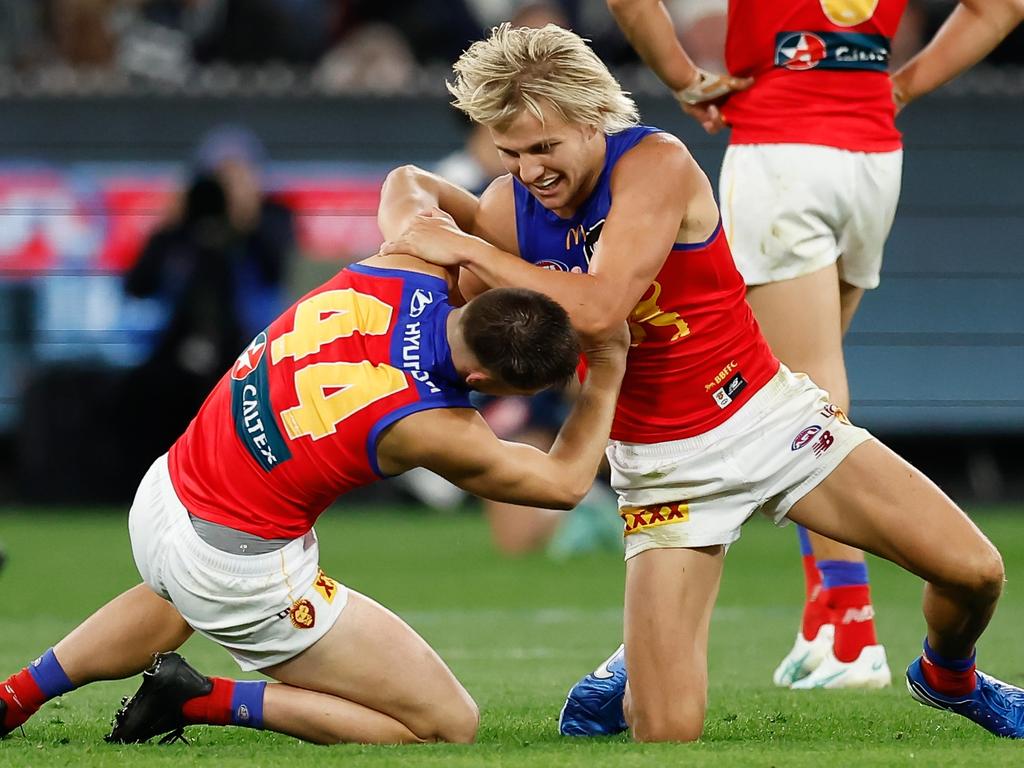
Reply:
x=823, y=444
x=833, y=411
x=804, y=437
x=803, y=50
x=325, y=585
x=725, y=395
x=302, y=614
x=642, y=518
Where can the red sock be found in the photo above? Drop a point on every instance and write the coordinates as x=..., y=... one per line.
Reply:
x=23, y=697
x=949, y=682
x=815, y=607
x=854, y=619
x=215, y=707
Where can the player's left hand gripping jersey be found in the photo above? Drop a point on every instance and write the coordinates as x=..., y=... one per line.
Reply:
x=696, y=353
x=294, y=424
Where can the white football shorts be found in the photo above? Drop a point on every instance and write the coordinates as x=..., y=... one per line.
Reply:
x=264, y=609
x=793, y=209
x=698, y=491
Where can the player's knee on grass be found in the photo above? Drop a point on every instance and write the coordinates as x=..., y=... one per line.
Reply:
x=678, y=723
x=456, y=723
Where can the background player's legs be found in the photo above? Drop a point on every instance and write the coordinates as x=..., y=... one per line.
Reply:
x=902, y=516
x=836, y=582
x=117, y=641
x=518, y=530
x=370, y=679
x=669, y=597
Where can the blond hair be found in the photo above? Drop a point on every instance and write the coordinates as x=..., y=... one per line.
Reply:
x=522, y=68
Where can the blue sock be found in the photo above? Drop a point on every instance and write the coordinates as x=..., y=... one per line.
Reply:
x=247, y=703
x=957, y=665
x=842, y=573
x=805, y=541
x=50, y=675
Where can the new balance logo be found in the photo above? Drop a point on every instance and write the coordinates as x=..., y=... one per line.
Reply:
x=823, y=444
x=858, y=615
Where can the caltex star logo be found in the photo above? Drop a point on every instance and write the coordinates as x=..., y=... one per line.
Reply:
x=250, y=358
x=799, y=51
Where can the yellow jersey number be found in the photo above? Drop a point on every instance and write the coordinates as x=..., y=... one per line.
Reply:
x=329, y=393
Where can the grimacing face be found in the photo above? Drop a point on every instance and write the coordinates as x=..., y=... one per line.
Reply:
x=558, y=162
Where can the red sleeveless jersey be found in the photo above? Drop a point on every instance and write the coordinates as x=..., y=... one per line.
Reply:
x=820, y=70
x=697, y=354
x=294, y=424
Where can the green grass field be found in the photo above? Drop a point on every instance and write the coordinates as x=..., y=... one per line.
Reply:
x=518, y=633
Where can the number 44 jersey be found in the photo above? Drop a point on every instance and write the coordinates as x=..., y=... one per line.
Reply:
x=294, y=423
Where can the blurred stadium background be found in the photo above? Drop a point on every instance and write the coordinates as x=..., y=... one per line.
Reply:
x=106, y=109
x=104, y=104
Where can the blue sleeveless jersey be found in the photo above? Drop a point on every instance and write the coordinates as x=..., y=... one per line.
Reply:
x=549, y=241
x=696, y=353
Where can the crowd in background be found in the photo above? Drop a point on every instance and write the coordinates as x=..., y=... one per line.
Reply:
x=367, y=44
x=217, y=262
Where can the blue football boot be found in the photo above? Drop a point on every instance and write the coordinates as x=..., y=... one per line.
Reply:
x=594, y=705
x=994, y=705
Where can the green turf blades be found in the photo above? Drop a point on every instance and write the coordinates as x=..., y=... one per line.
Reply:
x=518, y=633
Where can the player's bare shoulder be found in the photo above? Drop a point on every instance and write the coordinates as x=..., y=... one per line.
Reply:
x=661, y=174
x=658, y=160
x=495, y=218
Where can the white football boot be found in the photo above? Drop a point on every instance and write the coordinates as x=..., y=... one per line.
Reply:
x=869, y=670
x=805, y=657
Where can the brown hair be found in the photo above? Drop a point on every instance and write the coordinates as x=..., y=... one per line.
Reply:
x=521, y=337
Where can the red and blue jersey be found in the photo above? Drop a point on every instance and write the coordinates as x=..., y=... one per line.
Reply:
x=820, y=70
x=295, y=422
x=696, y=354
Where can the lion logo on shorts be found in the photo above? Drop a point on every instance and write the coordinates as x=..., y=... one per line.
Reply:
x=302, y=614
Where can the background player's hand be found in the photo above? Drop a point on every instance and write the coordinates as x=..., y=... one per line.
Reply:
x=432, y=236
x=703, y=97
x=899, y=95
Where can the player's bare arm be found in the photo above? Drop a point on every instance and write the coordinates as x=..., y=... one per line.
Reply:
x=972, y=31
x=648, y=27
x=409, y=190
x=458, y=445
x=660, y=196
